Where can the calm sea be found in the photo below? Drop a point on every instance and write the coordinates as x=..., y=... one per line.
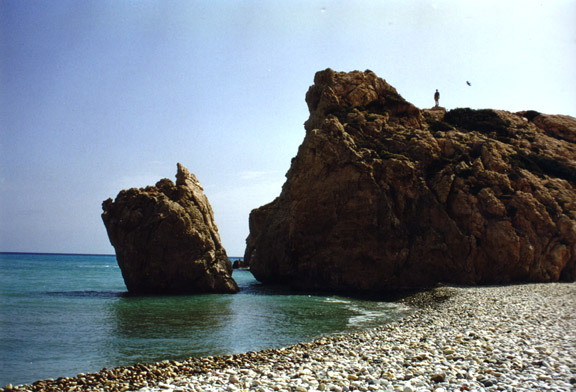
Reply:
x=61, y=315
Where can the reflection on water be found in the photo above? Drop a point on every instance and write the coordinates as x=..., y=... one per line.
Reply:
x=149, y=329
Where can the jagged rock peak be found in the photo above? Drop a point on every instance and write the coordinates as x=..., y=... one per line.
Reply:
x=382, y=196
x=337, y=93
x=166, y=239
x=187, y=179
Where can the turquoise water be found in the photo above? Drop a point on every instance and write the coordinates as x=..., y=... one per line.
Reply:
x=61, y=315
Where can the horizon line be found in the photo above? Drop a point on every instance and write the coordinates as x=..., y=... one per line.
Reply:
x=73, y=254
x=57, y=253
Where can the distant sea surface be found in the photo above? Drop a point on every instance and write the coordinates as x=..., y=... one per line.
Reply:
x=61, y=315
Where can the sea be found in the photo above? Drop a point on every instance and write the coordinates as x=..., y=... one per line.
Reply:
x=64, y=314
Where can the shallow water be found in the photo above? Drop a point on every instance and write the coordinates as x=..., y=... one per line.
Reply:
x=66, y=314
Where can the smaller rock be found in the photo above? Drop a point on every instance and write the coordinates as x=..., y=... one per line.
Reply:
x=166, y=239
x=240, y=263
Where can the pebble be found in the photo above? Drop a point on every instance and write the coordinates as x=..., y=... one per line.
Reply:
x=511, y=338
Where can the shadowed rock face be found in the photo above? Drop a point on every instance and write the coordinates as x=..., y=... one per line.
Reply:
x=166, y=240
x=382, y=195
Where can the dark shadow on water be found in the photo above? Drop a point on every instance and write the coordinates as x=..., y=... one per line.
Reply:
x=250, y=289
x=259, y=288
x=255, y=287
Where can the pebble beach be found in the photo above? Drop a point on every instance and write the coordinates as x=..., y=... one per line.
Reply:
x=496, y=338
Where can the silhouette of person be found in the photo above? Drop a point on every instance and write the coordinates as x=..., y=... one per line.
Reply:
x=437, y=97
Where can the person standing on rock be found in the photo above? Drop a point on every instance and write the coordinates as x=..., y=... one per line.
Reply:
x=437, y=97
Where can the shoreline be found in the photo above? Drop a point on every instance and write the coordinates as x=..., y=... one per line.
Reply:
x=519, y=337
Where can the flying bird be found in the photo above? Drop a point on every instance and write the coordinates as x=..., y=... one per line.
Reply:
x=468, y=83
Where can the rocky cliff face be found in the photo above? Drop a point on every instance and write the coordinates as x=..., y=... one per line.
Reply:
x=166, y=240
x=382, y=195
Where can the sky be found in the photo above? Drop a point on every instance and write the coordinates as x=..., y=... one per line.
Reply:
x=97, y=96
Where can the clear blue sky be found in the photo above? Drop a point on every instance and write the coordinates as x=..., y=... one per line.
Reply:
x=98, y=96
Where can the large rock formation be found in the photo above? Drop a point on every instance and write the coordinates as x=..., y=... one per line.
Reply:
x=383, y=196
x=166, y=240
